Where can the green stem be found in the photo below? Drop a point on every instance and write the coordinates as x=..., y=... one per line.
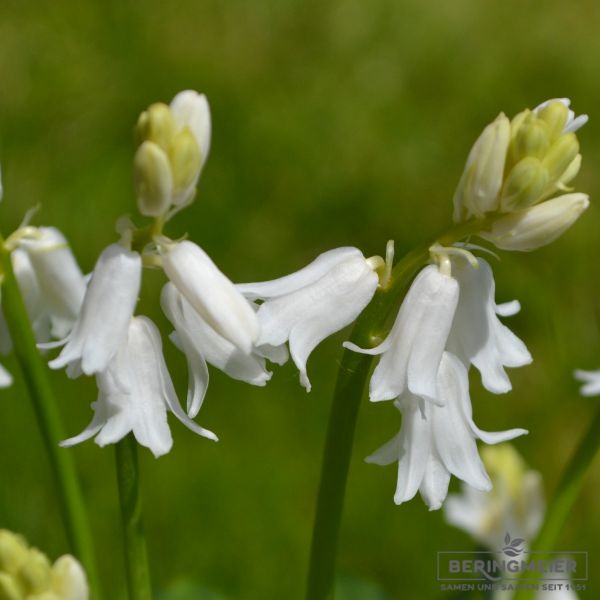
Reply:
x=35, y=374
x=566, y=493
x=351, y=381
x=136, y=556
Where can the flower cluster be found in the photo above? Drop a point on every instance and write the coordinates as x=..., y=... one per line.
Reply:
x=447, y=322
x=26, y=573
x=514, y=171
x=236, y=329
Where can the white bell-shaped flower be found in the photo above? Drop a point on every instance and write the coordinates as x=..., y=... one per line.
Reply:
x=412, y=351
x=135, y=393
x=211, y=293
x=61, y=282
x=108, y=306
x=437, y=441
x=313, y=303
x=202, y=344
x=477, y=335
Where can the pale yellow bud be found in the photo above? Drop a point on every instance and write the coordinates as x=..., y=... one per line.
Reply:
x=185, y=160
x=477, y=191
x=35, y=573
x=13, y=551
x=524, y=185
x=555, y=115
x=531, y=139
x=560, y=155
x=68, y=579
x=531, y=228
x=9, y=588
x=504, y=464
x=46, y=596
x=156, y=125
x=153, y=180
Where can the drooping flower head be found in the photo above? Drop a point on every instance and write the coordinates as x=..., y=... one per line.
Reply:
x=438, y=440
x=135, y=393
x=313, y=303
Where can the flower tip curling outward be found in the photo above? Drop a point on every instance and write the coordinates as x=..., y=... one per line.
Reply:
x=307, y=306
x=590, y=380
x=134, y=394
x=437, y=441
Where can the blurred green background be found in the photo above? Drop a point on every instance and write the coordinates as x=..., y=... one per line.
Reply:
x=334, y=122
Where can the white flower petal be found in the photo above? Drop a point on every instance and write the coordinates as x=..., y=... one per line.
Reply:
x=310, y=314
x=191, y=109
x=591, y=381
x=452, y=437
x=5, y=378
x=434, y=486
x=414, y=347
x=388, y=453
x=211, y=293
x=60, y=279
x=203, y=344
x=305, y=276
x=276, y=354
x=106, y=312
x=92, y=429
x=415, y=448
x=477, y=336
x=508, y=309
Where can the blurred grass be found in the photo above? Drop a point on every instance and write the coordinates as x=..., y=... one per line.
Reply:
x=335, y=122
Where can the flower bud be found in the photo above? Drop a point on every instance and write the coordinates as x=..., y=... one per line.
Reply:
x=555, y=114
x=9, y=588
x=477, y=191
x=532, y=139
x=524, y=185
x=190, y=109
x=153, y=179
x=68, y=579
x=560, y=155
x=35, y=573
x=13, y=552
x=156, y=125
x=528, y=229
x=185, y=161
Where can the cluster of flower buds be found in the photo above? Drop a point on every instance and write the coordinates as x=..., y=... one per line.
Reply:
x=26, y=573
x=513, y=173
x=173, y=144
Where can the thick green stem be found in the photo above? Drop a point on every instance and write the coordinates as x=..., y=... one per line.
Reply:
x=351, y=381
x=136, y=556
x=35, y=374
x=566, y=493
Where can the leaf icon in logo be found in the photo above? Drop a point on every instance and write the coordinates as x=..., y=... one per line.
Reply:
x=512, y=552
x=507, y=538
x=517, y=542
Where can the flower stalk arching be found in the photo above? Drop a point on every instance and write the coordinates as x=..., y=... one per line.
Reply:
x=351, y=381
x=33, y=367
